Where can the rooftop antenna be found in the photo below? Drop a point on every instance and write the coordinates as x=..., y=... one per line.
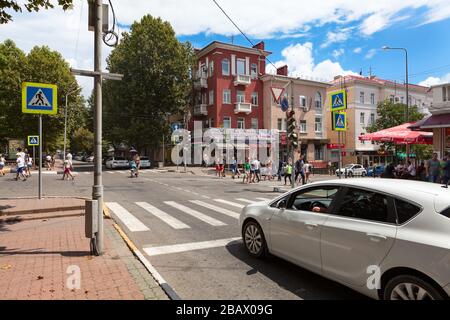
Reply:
x=232, y=39
x=370, y=72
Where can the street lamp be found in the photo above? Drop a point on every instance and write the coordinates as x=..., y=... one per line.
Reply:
x=385, y=48
x=65, y=118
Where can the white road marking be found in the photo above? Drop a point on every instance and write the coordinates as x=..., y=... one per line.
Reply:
x=87, y=173
x=177, y=248
x=132, y=223
x=246, y=200
x=215, y=208
x=195, y=214
x=171, y=221
x=233, y=204
x=206, y=197
x=110, y=172
x=121, y=172
x=264, y=199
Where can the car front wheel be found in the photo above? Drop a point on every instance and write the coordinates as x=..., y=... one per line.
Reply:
x=254, y=240
x=411, y=288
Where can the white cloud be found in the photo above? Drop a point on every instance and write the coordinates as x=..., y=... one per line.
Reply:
x=370, y=53
x=300, y=60
x=339, y=36
x=432, y=81
x=374, y=23
x=357, y=50
x=338, y=52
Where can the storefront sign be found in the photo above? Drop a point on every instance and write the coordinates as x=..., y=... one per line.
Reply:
x=334, y=146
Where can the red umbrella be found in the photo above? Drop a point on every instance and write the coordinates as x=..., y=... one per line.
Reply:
x=399, y=135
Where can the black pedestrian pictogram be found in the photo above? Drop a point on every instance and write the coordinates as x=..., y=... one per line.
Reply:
x=39, y=99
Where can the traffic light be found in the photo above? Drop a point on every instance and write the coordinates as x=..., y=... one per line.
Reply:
x=291, y=129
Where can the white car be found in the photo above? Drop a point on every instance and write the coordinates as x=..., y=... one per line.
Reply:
x=353, y=170
x=386, y=238
x=116, y=162
x=145, y=163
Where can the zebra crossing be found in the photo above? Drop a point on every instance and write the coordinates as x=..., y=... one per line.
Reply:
x=191, y=208
x=115, y=172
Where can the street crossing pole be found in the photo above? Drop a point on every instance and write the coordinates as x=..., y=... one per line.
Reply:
x=40, y=158
x=292, y=144
x=97, y=191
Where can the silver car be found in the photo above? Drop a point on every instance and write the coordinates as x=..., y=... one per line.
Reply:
x=388, y=239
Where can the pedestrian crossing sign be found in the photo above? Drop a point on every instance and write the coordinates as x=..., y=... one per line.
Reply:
x=339, y=121
x=39, y=98
x=338, y=100
x=33, y=141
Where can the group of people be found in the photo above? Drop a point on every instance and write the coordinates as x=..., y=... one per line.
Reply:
x=251, y=170
x=301, y=171
x=24, y=163
x=433, y=170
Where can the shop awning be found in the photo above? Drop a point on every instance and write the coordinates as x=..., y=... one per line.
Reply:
x=399, y=135
x=433, y=121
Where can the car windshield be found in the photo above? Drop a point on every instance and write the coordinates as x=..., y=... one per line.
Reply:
x=349, y=166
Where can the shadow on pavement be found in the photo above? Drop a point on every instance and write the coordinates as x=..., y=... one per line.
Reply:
x=301, y=282
x=5, y=252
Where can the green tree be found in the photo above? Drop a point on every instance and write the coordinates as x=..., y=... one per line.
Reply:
x=393, y=114
x=82, y=141
x=30, y=5
x=40, y=65
x=156, y=83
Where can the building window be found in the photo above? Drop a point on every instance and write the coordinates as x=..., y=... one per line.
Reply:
x=227, y=123
x=444, y=94
x=318, y=100
x=372, y=118
x=240, y=123
x=204, y=71
x=280, y=124
x=211, y=123
x=254, y=70
x=240, y=66
x=318, y=125
x=226, y=96
x=302, y=100
x=211, y=68
x=255, y=98
x=254, y=123
x=302, y=126
x=240, y=97
x=391, y=99
x=204, y=101
x=361, y=118
x=225, y=67
x=402, y=99
x=361, y=97
x=318, y=152
x=211, y=97
x=372, y=98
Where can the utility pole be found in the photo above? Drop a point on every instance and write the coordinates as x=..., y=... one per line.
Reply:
x=97, y=190
x=292, y=145
x=65, y=119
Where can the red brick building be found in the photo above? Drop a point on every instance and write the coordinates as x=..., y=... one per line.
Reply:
x=228, y=89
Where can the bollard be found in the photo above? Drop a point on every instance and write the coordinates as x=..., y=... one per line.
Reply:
x=91, y=218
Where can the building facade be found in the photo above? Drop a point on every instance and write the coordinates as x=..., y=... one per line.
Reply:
x=309, y=106
x=363, y=96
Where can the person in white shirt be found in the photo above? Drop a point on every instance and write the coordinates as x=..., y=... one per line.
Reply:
x=68, y=169
x=410, y=172
x=2, y=165
x=20, y=167
x=307, y=171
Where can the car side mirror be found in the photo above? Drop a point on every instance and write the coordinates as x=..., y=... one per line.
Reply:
x=281, y=204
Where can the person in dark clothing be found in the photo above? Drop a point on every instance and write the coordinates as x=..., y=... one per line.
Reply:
x=299, y=170
x=389, y=171
x=446, y=172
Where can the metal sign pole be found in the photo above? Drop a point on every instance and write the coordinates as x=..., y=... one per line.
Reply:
x=340, y=155
x=40, y=158
x=34, y=157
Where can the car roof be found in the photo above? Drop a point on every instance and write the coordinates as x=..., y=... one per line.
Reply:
x=402, y=188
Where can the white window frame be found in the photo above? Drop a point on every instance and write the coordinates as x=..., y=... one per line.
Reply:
x=254, y=72
x=302, y=126
x=320, y=149
x=372, y=98
x=303, y=101
x=361, y=97
x=318, y=100
x=238, y=95
x=255, y=96
x=372, y=118
x=211, y=97
x=226, y=93
x=362, y=118
x=228, y=120
x=316, y=123
x=254, y=123
x=227, y=61
x=240, y=121
x=211, y=68
x=237, y=66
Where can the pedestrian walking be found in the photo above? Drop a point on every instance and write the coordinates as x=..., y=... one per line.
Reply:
x=137, y=160
x=433, y=169
x=299, y=170
x=247, y=171
x=2, y=165
x=288, y=173
x=29, y=165
x=446, y=173
x=20, y=162
x=53, y=161
x=234, y=168
x=48, y=162
x=307, y=168
x=257, y=170
x=67, y=169
x=269, y=173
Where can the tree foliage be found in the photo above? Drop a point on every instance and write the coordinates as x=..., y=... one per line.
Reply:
x=40, y=65
x=390, y=115
x=82, y=140
x=30, y=5
x=156, y=83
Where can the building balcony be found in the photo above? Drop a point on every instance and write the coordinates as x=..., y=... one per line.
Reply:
x=242, y=79
x=243, y=107
x=200, y=83
x=440, y=107
x=200, y=110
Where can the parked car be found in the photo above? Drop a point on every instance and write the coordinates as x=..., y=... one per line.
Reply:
x=90, y=159
x=145, y=163
x=117, y=162
x=352, y=170
x=378, y=170
x=78, y=157
x=349, y=230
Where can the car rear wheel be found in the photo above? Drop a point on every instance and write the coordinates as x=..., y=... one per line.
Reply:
x=254, y=240
x=411, y=288
x=350, y=174
x=363, y=174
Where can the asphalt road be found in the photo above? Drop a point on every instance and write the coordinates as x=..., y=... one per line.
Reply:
x=186, y=226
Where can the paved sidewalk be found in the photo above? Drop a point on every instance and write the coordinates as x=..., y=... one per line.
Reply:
x=38, y=258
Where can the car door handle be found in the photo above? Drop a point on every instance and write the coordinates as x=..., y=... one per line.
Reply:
x=376, y=237
x=311, y=226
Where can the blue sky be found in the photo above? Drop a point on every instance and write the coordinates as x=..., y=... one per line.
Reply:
x=319, y=39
